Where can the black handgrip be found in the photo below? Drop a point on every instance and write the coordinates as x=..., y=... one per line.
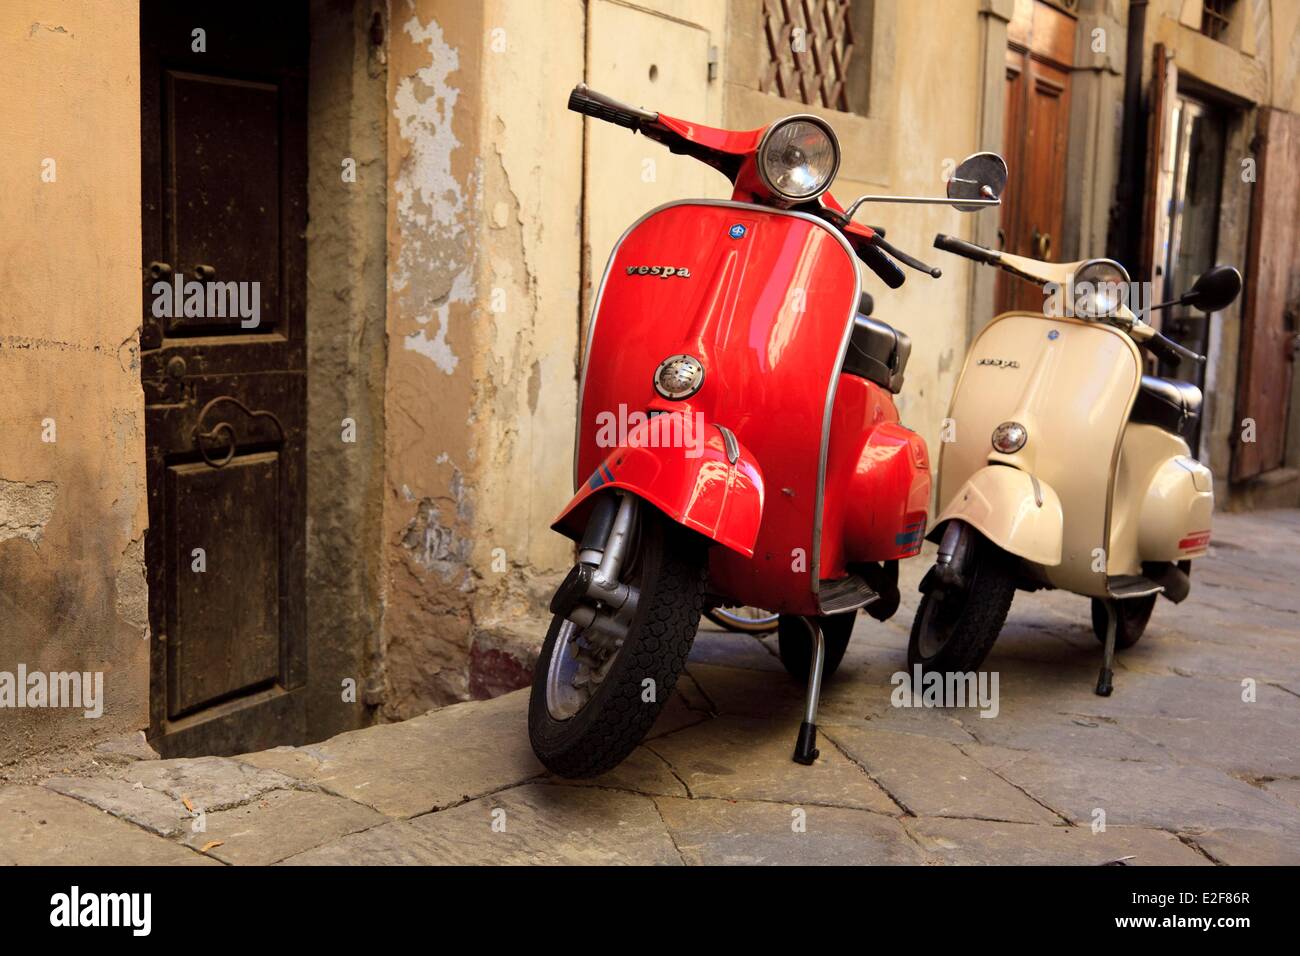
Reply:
x=961, y=247
x=881, y=265
x=582, y=100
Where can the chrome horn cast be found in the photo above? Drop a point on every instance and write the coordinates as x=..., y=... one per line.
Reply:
x=604, y=595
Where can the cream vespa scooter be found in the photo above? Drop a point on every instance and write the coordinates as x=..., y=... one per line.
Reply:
x=1067, y=467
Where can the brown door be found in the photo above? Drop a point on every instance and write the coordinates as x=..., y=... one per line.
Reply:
x=1271, y=319
x=223, y=88
x=1040, y=52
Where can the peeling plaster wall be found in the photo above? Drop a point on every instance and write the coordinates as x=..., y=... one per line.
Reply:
x=434, y=177
x=72, y=511
x=484, y=250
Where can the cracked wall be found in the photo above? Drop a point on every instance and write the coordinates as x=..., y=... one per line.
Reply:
x=484, y=249
x=72, y=493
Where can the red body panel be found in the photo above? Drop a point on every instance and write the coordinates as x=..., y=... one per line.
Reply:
x=768, y=314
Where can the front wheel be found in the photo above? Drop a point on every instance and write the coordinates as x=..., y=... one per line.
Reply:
x=594, y=696
x=1131, y=619
x=954, y=630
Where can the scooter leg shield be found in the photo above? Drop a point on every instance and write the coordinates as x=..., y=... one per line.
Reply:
x=713, y=487
x=1018, y=512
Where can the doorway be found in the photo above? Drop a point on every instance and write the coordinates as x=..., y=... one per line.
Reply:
x=224, y=214
x=1039, y=58
x=1198, y=138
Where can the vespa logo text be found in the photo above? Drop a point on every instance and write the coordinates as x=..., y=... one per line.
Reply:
x=663, y=272
x=999, y=363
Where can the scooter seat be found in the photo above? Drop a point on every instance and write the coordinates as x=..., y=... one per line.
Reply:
x=1173, y=406
x=878, y=352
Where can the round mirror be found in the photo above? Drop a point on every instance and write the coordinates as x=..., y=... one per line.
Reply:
x=1215, y=289
x=980, y=176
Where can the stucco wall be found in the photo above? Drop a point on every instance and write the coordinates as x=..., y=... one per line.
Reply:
x=72, y=510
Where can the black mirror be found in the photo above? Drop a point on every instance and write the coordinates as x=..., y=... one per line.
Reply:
x=1214, y=290
x=980, y=176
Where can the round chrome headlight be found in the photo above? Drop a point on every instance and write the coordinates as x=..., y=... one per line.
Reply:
x=679, y=376
x=1100, y=288
x=798, y=158
x=1010, y=437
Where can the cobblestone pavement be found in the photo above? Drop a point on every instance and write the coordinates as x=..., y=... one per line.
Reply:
x=1184, y=770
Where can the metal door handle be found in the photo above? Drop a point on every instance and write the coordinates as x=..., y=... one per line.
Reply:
x=1042, y=245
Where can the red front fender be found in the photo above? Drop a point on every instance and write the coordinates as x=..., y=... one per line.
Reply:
x=695, y=482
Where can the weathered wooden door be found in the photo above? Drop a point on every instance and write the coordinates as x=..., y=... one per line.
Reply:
x=1271, y=317
x=1040, y=54
x=223, y=123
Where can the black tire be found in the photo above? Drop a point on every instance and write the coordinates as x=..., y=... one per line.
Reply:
x=796, y=646
x=971, y=619
x=615, y=719
x=1130, y=623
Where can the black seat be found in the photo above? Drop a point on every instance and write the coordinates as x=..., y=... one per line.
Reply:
x=1173, y=406
x=878, y=352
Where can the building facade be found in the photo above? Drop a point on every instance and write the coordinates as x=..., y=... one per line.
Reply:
x=336, y=510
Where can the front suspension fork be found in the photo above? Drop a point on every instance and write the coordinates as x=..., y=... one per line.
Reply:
x=592, y=595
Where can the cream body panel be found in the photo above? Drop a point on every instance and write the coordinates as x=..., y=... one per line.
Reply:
x=1073, y=394
x=1014, y=510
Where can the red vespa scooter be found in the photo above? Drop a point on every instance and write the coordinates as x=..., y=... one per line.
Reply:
x=737, y=439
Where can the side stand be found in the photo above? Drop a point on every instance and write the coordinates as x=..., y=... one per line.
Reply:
x=1105, y=679
x=805, y=748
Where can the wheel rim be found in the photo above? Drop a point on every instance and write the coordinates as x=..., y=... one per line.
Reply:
x=938, y=620
x=582, y=658
x=745, y=618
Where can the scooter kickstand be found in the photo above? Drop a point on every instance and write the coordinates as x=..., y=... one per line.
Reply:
x=805, y=749
x=1105, y=679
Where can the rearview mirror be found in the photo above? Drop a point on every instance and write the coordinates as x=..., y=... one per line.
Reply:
x=1214, y=290
x=979, y=176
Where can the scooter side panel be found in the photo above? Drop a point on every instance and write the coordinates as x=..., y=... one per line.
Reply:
x=765, y=305
x=1071, y=384
x=1163, y=501
x=878, y=481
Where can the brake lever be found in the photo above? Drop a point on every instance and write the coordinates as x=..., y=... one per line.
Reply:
x=878, y=239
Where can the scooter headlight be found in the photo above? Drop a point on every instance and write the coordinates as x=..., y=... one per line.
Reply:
x=1010, y=437
x=1100, y=288
x=798, y=158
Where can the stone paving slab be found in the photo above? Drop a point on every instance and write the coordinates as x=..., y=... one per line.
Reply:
x=209, y=783
x=934, y=778
x=279, y=824
x=740, y=759
x=41, y=827
x=426, y=763
x=1138, y=793
x=644, y=771
x=1235, y=846
x=742, y=832
x=155, y=811
x=976, y=842
x=535, y=824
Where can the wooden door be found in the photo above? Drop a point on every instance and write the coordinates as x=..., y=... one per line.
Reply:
x=1271, y=316
x=223, y=124
x=1040, y=54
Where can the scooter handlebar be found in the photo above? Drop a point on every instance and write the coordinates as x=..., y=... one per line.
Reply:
x=881, y=264
x=599, y=106
x=961, y=247
x=1170, y=350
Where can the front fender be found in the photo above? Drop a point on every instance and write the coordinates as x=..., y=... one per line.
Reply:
x=1018, y=513
x=695, y=483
